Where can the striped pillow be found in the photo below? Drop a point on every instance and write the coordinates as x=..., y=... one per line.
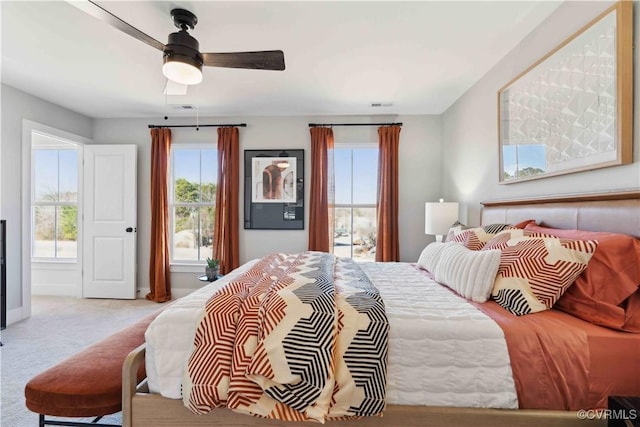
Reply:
x=535, y=271
x=456, y=228
x=475, y=238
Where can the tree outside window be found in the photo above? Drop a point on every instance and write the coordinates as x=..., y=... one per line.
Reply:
x=193, y=195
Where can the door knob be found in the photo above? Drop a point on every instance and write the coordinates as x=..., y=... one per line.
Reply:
x=129, y=229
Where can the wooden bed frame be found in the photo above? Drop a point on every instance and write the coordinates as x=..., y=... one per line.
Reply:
x=613, y=212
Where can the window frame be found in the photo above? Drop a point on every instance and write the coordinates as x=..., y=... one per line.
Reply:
x=57, y=143
x=184, y=265
x=353, y=146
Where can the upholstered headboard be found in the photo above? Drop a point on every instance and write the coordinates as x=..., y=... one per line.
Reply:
x=617, y=212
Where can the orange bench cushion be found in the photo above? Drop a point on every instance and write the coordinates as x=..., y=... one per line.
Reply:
x=88, y=383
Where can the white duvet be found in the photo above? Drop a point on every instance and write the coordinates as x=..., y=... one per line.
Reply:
x=443, y=351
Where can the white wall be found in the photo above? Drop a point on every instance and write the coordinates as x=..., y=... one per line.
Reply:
x=419, y=175
x=470, y=134
x=52, y=278
x=16, y=106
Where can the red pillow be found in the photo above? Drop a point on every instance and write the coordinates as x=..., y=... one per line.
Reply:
x=607, y=293
x=632, y=311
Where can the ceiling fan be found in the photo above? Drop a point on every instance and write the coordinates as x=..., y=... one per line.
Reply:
x=182, y=59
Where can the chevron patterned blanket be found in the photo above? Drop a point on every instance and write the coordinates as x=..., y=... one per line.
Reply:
x=297, y=337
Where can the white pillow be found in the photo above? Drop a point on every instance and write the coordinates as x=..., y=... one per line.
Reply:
x=430, y=256
x=469, y=273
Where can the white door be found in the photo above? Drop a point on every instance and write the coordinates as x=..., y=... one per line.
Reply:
x=109, y=249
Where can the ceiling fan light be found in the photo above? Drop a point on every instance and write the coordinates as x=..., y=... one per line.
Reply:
x=181, y=72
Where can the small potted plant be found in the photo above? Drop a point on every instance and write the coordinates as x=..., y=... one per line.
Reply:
x=212, y=269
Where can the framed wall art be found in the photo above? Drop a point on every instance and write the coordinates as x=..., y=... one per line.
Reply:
x=573, y=109
x=274, y=189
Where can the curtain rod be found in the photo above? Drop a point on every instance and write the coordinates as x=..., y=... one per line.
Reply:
x=240, y=125
x=313, y=125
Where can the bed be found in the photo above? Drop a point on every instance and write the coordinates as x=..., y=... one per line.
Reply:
x=613, y=212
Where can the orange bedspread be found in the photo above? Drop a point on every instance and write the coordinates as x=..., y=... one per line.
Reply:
x=562, y=362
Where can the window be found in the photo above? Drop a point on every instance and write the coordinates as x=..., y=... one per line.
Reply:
x=192, y=194
x=356, y=183
x=54, y=198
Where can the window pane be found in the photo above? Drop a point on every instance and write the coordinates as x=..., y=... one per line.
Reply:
x=68, y=161
x=356, y=181
x=186, y=173
x=45, y=167
x=342, y=173
x=195, y=174
x=342, y=245
x=67, y=235
x=44, y=232
x=208, y=192
x=206, y=231
x=364, y=234
x=355, y=233
x=186, y=191
x=185, y=234
x=209, y=167
x=365, y=176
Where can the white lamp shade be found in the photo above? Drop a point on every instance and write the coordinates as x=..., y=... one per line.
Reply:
x=439, y=216
x=181, y=72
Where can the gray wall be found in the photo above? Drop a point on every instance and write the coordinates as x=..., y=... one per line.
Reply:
x=419, y=175
x=470, y=134
x=454, y=155
x=16, y=106
x=420, y=171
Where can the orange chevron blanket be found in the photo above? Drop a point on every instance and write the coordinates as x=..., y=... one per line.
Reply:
x=297, y=337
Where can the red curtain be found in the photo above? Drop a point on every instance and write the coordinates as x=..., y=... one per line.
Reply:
x=159, y=278
x=321, y=190
x=226, y=229
x=387, y=243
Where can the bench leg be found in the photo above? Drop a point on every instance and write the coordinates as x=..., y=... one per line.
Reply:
x=43, y=422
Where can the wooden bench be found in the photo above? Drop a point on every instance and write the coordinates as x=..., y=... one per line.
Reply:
x=89, y=383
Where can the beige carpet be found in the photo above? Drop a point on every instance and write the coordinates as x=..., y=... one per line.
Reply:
x=58, y=328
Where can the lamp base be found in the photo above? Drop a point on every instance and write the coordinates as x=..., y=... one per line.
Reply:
x=439, y=237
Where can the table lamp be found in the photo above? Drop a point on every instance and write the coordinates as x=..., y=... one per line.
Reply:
x=439, y=217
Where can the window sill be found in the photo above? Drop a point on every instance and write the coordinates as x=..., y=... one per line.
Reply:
x=49, y=265
x=187, y=268
x=58, y=261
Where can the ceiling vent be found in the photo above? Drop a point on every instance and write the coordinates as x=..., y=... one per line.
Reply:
x=183, y=107
x=381, y=104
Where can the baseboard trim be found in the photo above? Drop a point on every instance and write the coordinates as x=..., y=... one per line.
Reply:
x=14, y=315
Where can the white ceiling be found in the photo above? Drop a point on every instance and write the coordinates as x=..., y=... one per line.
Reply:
x=340, y=56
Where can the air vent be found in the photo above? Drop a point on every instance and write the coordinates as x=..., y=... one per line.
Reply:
x=183, y=107
x=381, y=104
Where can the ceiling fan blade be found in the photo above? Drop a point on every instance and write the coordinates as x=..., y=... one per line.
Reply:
x=263, y=60
x=99, y=12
